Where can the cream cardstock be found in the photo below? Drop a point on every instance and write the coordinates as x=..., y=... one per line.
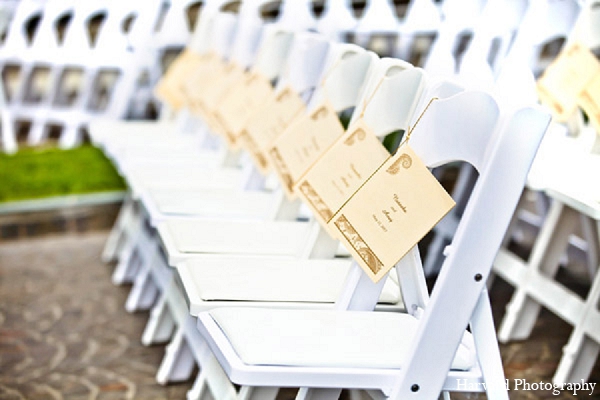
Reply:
x=340, y=171
x=207, y=77
x=589, y=100
x=301, y=144
x=391, y=212
x=184, y=67
x=216, y=87
x=242, y=100
x=265, y=125
x=564, y=80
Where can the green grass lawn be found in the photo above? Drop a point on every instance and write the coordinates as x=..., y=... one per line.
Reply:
x=34, y=173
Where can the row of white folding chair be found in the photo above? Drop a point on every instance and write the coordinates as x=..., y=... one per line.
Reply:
x=426, y=374
x=223, y=268
x=50, y=52
x=264, y=268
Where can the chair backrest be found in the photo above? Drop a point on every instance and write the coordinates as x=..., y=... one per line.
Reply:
x=16, y=42
x=493, y=34
x=379, y=17
x=502, y=152
x=46, y=41
x=345, y=73
x=200, y=38
x=304, y=63
x=296, y=15
x=380, y=93
x=457, y=26
x=247, y=35
x=544, y=21
x=274, y=46
x=337, y=18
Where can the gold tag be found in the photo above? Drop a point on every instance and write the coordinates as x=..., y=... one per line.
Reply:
x=567, y=76
x=340, y=171
x=301, y=144
x=391, y=212
x=265, y=125
x=242, y=100
x=185, y=66
x=213, y=90
x=589, y=100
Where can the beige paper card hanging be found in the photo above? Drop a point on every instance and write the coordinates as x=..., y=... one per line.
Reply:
x=169, y=89
x=340, y=171
x=265, y=125
x=302, y=143
x=242, y=100
x=215, y=88
x=589, y=100
x=391, y=212
x=564, y=80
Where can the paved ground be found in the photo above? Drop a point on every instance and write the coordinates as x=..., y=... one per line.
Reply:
x=64, y=332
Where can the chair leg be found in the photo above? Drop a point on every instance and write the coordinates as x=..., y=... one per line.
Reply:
x=126, y=267
x=160, y=325
x=114, y=242
x=579, y=357
x=143, y=293
x=581, y=352
x=490, y=361
x=178, y=362
x=257, y=393
x=318, y=394
x=212, y=381
x=553, y=239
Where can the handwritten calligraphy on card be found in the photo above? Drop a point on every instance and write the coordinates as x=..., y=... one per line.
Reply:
x=391, y=212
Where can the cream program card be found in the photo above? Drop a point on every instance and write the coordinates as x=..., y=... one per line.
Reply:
x=301, y=144
x=391, y=212
x=340, y=171
x=265, y=125
x=240, y=103
x=589, y=100
x=564, y=80
x=184, y=67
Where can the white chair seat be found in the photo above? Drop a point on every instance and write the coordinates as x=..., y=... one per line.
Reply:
x=160, y=176
x=267, y=279
x=213, y=202
x=323, y=338
x=107, y=130
x=193, y=235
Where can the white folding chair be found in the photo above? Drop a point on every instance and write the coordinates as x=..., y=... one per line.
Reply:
x=265, y=348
